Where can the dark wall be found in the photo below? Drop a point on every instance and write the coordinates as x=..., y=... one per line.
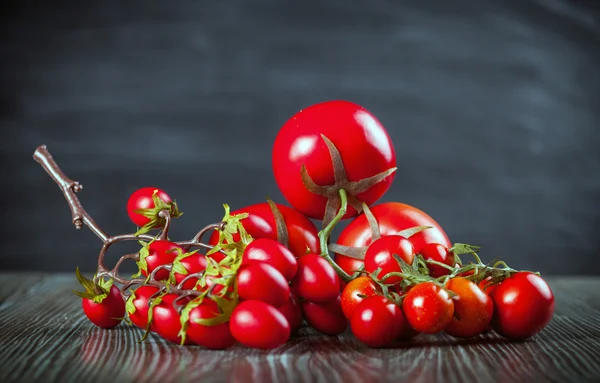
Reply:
x=493, y=108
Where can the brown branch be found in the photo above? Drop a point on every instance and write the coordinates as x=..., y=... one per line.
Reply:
x=69, y=188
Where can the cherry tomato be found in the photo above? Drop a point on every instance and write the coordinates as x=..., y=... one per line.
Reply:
x=327, y=318
x=194, y=263
x=428, y=308
x=316, y=280
x=142, y=199
x=377, y=321
x=160, y=253
x=260, y=223
x=392, y=218
x=108, y=313
x=274, y=253
x=439, y=253
x=262, y=282
x=380, y=254
x=351, y=295
x=292, y=311
x=141, y=303
x=473, y=309
x=363, y=144
x=216, y=337
x=259, y=325
x=523, y=306
x=166, y=320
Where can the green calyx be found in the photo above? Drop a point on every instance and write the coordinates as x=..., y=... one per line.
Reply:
x=153, y=213
x=96, y=291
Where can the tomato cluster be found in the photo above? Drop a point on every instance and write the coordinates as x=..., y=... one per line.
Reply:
x=391, y=275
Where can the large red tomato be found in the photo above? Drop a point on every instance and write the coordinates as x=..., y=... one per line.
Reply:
x=391, y=217
x=363, y=144
x=260, y=223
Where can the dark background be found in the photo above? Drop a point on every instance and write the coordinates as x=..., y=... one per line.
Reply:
x=493, y=108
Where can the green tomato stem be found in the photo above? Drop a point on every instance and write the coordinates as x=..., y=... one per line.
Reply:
x=326, y=232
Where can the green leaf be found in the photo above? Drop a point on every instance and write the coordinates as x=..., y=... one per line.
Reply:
x=407, y=233
x=87, y=284
x=463, y=248
x=129, y=306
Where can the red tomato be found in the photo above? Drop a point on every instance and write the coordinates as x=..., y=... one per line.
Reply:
x=428, y=308
x=194, y=263
x=487, y=286
x=316, y=280
x=216, y=337
x=141, y=303
x=363, y=144
x=377, y=321
x=473, y=309
x=292, y=311
x=166, y=320
x=259, y=325
x=523, y=306
x=380, y=254
x=260, y=223
x=392, y=217
x=438, y=253
x=351, y=296
x=271, y=252
x=108, y=313
x=160, y=253
x=142, y=199
x=327, y=318
x=262, y=282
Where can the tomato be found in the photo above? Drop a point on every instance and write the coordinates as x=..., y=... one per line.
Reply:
x=260, y=223
x=428, y=308
x=142, y=199
x=380, y=254
x=140, y=300
x=487, y=286
x=166, y=319
x=259, y=325
x=316, y=280
x=523, y=306
x=216, y=337
x=327, y=318
x=108, y=313
x=439, y=253
x=160, y=253
x=363, y=143
x=473, y=309
x=262, y=282
x=377, y=321
x=271, y=252
x=351, y=295
x=292, y=311
x=194, y=263
x=392, y=217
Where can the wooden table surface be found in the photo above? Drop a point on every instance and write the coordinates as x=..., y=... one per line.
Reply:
x=45, y=337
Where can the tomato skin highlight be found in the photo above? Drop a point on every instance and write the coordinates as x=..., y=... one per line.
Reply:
x=351, y=294
x=108, y=313
x=316, y=280
x=141, y=302
x=142, y=199
x=273, y=253
x=262, y=282
x=473, y=309
x=161, y=252
x=260, y=223
x=259, y=325
x=216, y=337
x=195, y=263
x=363, y=143
x=439, y=253
x=377, y=321
x=392, y=217
x=327, y=318
x=523, y=306
x=166, y=319
x=380, y=254
x=428, y=308
x=292, y=311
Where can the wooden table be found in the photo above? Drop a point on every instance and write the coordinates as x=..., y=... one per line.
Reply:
x=45, y=337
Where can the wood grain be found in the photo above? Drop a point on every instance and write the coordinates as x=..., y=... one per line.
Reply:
x=44, y=336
